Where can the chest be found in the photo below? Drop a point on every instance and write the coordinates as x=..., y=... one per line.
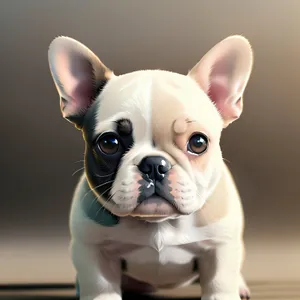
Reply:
x=154, y=246
x=167, y=266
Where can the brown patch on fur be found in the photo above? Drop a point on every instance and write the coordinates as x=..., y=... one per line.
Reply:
x=215, y=208
x=172, y=129
x=180, y=125
x=198, y=162
x=164, y=112
x=174, y=120
x=182, y=139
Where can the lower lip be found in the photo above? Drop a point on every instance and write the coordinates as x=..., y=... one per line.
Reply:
x=154, y=207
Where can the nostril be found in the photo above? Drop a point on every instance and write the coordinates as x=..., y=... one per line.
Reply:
x=156, y=167
x=145, y=167
x=146, y=170
x=162, y=169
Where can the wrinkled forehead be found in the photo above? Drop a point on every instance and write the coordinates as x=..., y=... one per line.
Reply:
x=153, y=101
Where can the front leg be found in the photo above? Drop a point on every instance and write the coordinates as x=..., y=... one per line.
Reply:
x=220, y=272
x=99, y=276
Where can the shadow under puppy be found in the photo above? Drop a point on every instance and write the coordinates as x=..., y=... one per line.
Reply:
x=156, y=194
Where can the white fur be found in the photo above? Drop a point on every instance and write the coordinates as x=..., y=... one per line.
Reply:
x=161, y=253
x=157, y=253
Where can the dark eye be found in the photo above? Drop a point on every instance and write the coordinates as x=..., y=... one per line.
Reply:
x=197, y=144
x=109, y=143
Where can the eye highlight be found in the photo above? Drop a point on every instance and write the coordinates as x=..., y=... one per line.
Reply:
x=197, y=144
x=108, y=143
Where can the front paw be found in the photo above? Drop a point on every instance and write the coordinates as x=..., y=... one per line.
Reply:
x=221, y=296
x=106, y=296
x=244, y=290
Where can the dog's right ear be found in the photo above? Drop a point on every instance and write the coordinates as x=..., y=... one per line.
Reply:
x=223, y=74
x=78, y=75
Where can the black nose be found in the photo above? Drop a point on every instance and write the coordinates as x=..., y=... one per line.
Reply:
x=155, y=167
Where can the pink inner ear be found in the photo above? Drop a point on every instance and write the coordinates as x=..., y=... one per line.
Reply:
x=223, y=98
x=83, y=95
x=78, y=84
x=218, y=92
x=80, y=98
x=223, y=74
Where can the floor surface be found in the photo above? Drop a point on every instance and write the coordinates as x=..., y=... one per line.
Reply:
x=47, y=260
x=260, y=291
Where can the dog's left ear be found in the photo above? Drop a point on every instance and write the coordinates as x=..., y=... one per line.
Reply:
x=78, y=75
x=223, y=74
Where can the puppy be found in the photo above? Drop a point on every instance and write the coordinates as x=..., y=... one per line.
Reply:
x=156, y=206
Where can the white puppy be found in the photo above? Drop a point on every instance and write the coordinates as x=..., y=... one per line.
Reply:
x=156, y=206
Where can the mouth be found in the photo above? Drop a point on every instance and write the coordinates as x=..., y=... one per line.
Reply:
x=154, y=207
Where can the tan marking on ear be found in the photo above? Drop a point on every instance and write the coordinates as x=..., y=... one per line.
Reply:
x=216, y=206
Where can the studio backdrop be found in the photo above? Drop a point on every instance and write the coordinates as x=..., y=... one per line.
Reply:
x=40, y=151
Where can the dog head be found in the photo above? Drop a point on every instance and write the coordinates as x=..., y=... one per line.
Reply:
x=152, y=137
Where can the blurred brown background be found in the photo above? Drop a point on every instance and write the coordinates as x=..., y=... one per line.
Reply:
x=39, y=149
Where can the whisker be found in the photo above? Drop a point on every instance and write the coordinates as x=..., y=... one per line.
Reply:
x=77, y=171
x=103, y=176
x=105, y=192
x=78, y=161
x=226, y=160
x=103, y=207
x=112, y=195
x=93, y=189
x=94, y=200
x=113, y=204
x=103, y=184
x=99, y=210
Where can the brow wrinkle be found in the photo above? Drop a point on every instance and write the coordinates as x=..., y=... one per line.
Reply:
x=188, y=121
